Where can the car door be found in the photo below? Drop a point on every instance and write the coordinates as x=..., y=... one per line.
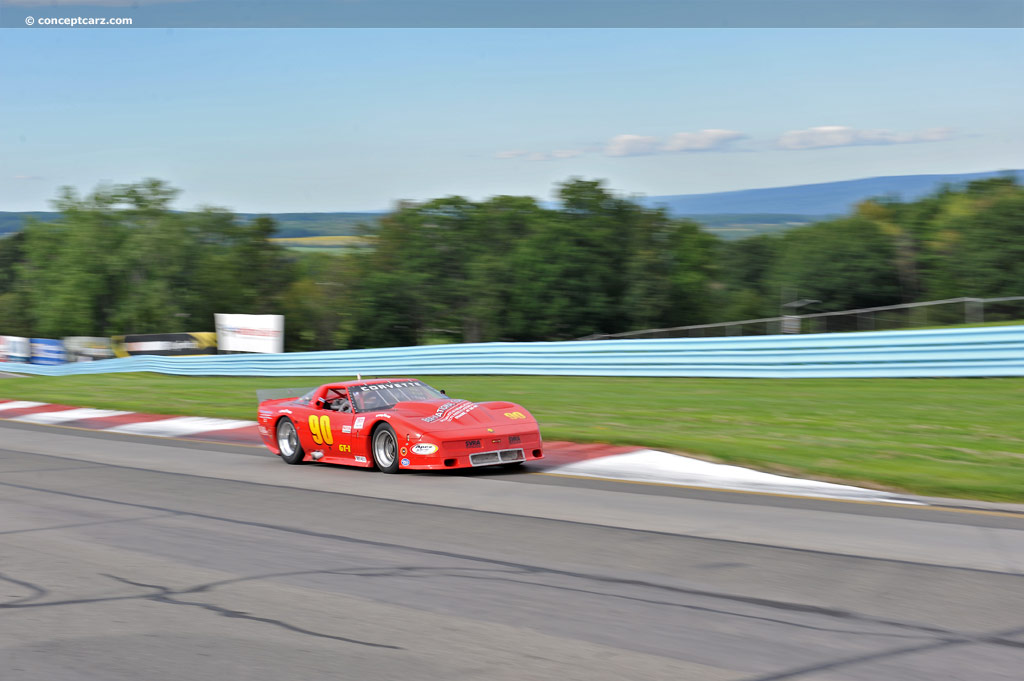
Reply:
x=330, y=430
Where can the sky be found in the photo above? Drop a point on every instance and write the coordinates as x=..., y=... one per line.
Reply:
x=273, y=120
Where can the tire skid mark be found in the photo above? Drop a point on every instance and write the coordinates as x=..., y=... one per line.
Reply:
x=37, y=591
x=69, y=526
x=996, y=638
x=422, y=504
x=785, y=606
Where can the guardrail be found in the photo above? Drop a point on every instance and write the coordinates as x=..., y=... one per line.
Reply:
x=984, y=351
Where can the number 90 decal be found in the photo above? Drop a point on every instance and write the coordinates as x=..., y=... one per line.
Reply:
x=320, y=429
x=515, y=415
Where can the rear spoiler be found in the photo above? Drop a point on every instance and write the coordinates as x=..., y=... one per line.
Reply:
x=281, y=393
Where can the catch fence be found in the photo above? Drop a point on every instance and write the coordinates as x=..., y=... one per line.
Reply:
x=887, y=317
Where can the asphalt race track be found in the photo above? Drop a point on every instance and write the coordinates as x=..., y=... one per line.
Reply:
x=126, y=557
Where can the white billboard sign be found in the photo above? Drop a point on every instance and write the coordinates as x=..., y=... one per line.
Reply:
x=250, y=332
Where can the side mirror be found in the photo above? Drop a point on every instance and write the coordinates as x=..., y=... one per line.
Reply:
x=443, y=392
x=320, y=403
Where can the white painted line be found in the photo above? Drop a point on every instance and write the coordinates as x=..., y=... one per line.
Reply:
x=69, y=415
x=21, y=405
x=648, y=465
x=176, y=427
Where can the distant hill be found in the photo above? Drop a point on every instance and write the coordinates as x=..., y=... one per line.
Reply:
x=828, y=198
x=730, y=226
x=288, y=224
x=730, y=215
x=317, y=224
x=13, y=222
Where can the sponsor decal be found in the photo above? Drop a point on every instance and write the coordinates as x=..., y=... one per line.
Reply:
x=47, y=351
x=385, y=386
x=515, y=415
x=459, y=412
x=359, y=422
x=404, y=462
x=286, y=411
x=404, y=451
x=514, y=439
x=154, y=347
x=472, y=443
x=87, y=348
x=263, y=431
x=496, y=441
x=441, y=411
x=360, y=459
x=490, y=430
x=382, y=416
x=249, y=333
x=424, y=448
x=346, y=429
x=449, y=411
x=15, y=349
x=197, y=343
x=267, y=333
x=344, y=448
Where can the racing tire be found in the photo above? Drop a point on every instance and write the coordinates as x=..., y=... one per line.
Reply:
x=288, y=442
x=384, y=446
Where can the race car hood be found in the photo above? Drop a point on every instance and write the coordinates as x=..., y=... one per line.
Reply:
x=444, y=415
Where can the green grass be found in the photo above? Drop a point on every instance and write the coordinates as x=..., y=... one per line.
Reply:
x=945, y=437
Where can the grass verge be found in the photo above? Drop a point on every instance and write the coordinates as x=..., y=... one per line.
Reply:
x=944, y=437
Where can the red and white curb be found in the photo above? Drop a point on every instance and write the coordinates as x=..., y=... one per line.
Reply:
x=188, y=427
x=649, y=465
x=599, y=461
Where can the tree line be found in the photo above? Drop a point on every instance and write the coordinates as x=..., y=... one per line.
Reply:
x=120, y=260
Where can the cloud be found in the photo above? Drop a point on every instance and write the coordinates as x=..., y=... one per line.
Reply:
x=631, y=145
x=639, y=145
x=826, y=136
x=716, y=139
x=705, y=140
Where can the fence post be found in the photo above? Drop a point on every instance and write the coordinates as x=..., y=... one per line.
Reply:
x=974, y=312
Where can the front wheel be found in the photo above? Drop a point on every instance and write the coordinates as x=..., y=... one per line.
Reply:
x=288, y=442
x=385, y=449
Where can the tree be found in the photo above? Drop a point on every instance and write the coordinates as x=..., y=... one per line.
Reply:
x=982, y=247
x=845, y=263
x=121, y=261
x=745, y=271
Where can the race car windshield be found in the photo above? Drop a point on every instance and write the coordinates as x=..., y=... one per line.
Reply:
x=377, y=396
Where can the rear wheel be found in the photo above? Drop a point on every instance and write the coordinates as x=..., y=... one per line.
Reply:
x=385, y=449
x=288, y=442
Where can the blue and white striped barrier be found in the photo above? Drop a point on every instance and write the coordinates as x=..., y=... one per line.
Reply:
x=979, y=351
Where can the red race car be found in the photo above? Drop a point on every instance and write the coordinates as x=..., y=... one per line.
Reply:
x=394, y=424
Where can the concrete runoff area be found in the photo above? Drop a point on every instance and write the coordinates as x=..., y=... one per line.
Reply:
x=127, y=557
